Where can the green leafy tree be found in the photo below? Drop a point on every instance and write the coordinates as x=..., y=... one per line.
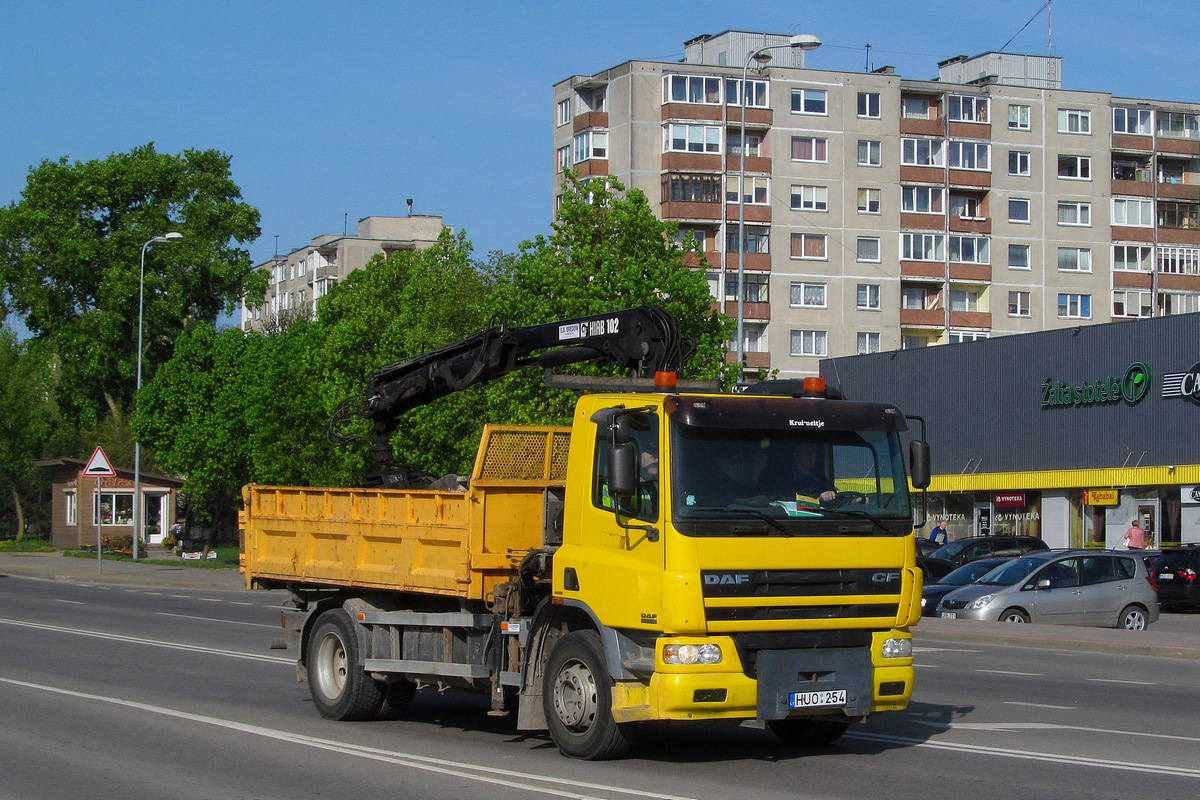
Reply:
x=25, y=426
x=70, y=256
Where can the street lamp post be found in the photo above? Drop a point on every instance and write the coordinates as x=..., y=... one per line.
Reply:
x=804, y=41
x=137, y=447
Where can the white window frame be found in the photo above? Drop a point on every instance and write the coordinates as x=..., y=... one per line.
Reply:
x=810, y=295
x=756, y=189
x=807, y=101
x=911, y=155
x=1143, y=303
x=870, y=153
x=923, y=246
x=868, y=342
x=1076, y=121
x=811, y=343
x=564, y=158
x=755, y=287
x=1083, y=167
x=709, y=139
x=733, y=144
x=975, y=156
x=908, y=107
x=1016, y=248
x=968, y=108
x=1177, y=125
x=818, y=143
x=867, y=259
x=1021, y=166
x=1143, y=257
x=1079, y=215
x=759, y=93
x=71, y=501
x=1082, y=259
x=758, y=237
x=1133, y=212
x=959, y=337
x=870, y=200
x=969, y=249
x=1133, y=121
x=867, y=297
x=1016, y=204
x=1172, y=303
x=868, y=105
x=1177, y=260
x=564, y=111
x=804, y=238
x=1074, y=306
x=1018, y=117
x=688, y=82
x=1018, y=304
x=912, y=293
x=910, y=200
x=589, y=145
x=965, y=300
x=811, y=198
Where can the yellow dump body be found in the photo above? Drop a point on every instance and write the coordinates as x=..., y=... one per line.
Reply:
x=450, y=543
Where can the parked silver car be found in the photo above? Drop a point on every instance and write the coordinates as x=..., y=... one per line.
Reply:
x=1076, y=587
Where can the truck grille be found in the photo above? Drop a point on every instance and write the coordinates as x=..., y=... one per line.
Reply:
x=792, y=588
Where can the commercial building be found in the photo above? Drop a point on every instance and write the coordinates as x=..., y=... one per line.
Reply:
x=1068, y=434
x=882, y=212
x=305, y=275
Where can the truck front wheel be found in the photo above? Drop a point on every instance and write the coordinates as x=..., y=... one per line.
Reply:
x=340, y=689
x=577, y=700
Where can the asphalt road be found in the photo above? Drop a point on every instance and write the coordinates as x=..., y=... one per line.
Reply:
x=134, y=691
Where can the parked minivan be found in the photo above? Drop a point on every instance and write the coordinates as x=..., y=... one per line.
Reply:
x=1075, y=587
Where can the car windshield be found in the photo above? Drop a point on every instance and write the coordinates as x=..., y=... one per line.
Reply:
x=1173, y=559
x=949, y=550
x=968, y=573
x=790, y=475
x=1013, y=571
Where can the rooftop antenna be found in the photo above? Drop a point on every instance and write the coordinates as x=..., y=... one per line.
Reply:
x=409, y=201
x=277, y=245
x=345, y=222
x=868, y=57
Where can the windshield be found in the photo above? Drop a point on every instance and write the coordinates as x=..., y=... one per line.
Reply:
x=1013, y=571
x=718, y=473
x=968, y=573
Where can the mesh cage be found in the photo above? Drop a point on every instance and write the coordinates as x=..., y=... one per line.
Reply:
x=526, y=454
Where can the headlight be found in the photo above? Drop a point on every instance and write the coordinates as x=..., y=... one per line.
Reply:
x=897, y=648
x=981, y=602
x=692, y=654
x=922, y=602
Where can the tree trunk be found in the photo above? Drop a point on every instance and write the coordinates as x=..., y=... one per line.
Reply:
x=20, y=513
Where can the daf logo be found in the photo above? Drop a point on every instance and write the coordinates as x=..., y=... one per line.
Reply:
x=726, y=580
x=885, y=577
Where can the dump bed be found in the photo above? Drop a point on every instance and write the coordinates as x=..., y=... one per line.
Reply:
x=451, y=543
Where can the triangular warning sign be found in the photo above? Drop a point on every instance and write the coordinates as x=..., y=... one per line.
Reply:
x=98, y=466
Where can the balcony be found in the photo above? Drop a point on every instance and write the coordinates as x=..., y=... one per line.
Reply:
x=925, y=222
x=1134, y=188
x=970, y=319
x=753, y=163
x=922, y=318
x=971, y=273
x=1132, y=143
x=709, y=260
x=970, y=130
x=699, y=111
x=1178, y=283
x=970, y=224
x=1131, y=280
x=591, y=119
x=754, y=213
x=968, y=177
x=755, y=261
x=1122, y=233
x=1190, y=147
x=911, y=174
x=922, y=127
x=923, y=270
x=692, y=162
x=1189, y=236
x=593, y=166
x=758, y=312
x=1177, y=190
x=689, y=209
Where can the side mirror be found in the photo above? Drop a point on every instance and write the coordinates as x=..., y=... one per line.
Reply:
x=918, y=463
x=1044, y=583
x=622, y=471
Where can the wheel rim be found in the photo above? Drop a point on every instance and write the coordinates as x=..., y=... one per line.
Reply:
x=1014, y=618
x=1134, y=621
x=332, y=666
x=575, y=700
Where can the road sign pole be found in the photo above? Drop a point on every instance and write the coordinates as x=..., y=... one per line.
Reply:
x=96, y=511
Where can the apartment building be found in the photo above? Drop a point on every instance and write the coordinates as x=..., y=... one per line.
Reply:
x=305, y=275
x=882, y=212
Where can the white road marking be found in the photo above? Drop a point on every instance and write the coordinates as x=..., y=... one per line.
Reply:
x=484, y=774
x=944, y=650
x=1039, y=705
x=72, y=602
x=214, y=619
x=1127, y=683
x=1010, y=672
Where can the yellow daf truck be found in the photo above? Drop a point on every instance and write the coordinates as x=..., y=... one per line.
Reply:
x=676, y=553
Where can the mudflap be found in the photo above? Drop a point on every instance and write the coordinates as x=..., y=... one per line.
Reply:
x=821, y=673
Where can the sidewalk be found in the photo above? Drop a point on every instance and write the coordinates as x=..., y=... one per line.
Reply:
x=55, y=566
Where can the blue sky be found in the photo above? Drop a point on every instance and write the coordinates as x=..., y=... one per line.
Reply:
x=349, y=108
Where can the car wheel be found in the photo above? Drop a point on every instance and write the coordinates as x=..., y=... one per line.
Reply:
x=1133, y=618
x=1014, y=615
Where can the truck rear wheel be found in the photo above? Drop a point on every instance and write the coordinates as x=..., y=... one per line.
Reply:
x=340, y=689
x=808, y=732
x=577, y=700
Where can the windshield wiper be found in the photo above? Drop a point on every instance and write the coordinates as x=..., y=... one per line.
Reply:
x=853, y=513
x=774, y=523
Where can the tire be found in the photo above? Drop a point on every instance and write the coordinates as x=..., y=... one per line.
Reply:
x=577, y=700
x=1133, y=618
x=1014, y=615
x=340, y=689
x=808, y=732
x=397, y=697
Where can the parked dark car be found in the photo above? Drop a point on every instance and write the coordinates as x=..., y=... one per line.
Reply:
x=934, y=591
x=973, y=549
x=934, y=569
x=1177, y=574
x=925, y=547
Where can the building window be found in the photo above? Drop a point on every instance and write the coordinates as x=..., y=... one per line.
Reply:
x=1178, y=215
x=692, y=89
x=1018, y=163
x=1170, y=171
x=1139, y=121
x=1171, y=303
x=808, y=295
x=755, y=95
x=868, y=105
x=1018, y=209
x=1018, y=304
x=564, y=111
x=1179, y=260
x=922, y=246
x=755, y=285
x=682, y=138
x=1072, y=120
x=868, y=297
x=1075, y=306
x=1018, y=256
x=967, y=108
x=915, y=107
x=969, y=250
x=868, y=201
x=733, y=142
x=921, y=199
x=590, y=144
x=809, y=101
x=808, y=343
x=1133, y=212
x=870, y=153
x=1078, y=214
x=1075, y=167
x=72, y=507
x=810, y=198
x=1131, y=258
x=922, y=153
x=970, y=155
x=758, y=239
x=913, y=342
x=1130, y=303
x=684, y=188
x=113, y=509
x=1175, y=125
x=808, y=148
x=1074, y=259
x=868, y=343
x=1018, y=118
x=868, y=248
x=564, y=158
x=966, y=206
x=963, y=300
x=755, y=190
x=699, y=240
x=958, y=337
x=913, y=299
x=809, y=245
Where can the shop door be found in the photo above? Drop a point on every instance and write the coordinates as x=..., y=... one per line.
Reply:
x=1148, y=514
x=153, y=506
